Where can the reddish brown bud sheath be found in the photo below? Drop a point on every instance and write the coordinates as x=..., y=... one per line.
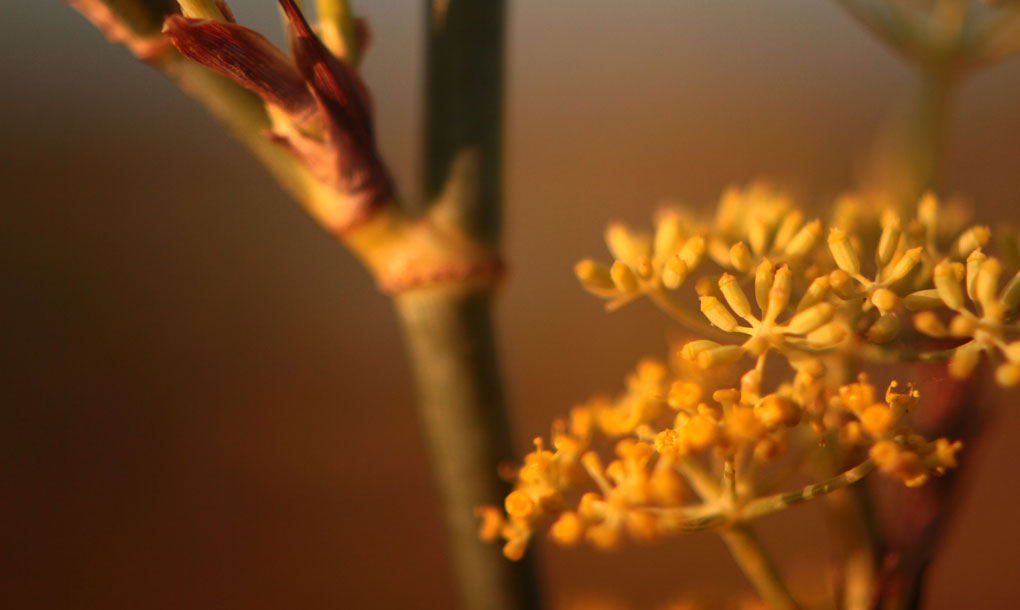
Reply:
x=346, y=112
x=245, y=57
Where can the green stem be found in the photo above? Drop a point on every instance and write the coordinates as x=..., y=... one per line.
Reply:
x=452, y=349
x=777, y=502
x=758, y=567
x=448, y=328
x=464, y=113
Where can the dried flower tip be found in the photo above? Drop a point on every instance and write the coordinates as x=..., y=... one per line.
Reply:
x=805, y=239
x=740, y=257
x=717, y=314
x=948, y=286
x=843, y=252
x=624, y=278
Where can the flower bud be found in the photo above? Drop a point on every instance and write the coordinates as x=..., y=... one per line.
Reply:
x=923, y=300
x=692, y=349
x=972, y=239
x=717, y=314
x=668, y=233
x=624, y=244
x=815, y=292
x=928, y=322
x=827, y=336
x=787, y=229
x=885, y=329
x=965, y=359
x=842, y=284
x=740, y=257
x=763, y=277
x=963, y=325
x=624, y=278
x=734, y=295
x=974, y=262
x=987, y=282
x=674, y=273
x=720, y=356
x=692, y=252
x=889, y=240
x=805, y=239
x=904, y=265
x=779, y=294
x=1007, y=374
x=811, y=318
x=948, y=286
x=843, y=252
x=884, y=300
x=595, y=277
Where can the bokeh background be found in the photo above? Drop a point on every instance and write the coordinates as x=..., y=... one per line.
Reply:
x=204, y=402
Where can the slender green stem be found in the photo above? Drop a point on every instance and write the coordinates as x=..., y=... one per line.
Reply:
x=770, y=504
x=758, y=567
x=452, y=350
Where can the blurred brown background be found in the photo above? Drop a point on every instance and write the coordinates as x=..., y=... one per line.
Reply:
x=204, y=402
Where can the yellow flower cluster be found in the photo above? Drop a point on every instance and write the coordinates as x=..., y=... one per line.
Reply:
x=704, y=443
x=673, y=436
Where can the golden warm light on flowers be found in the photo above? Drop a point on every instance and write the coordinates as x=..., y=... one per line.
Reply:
x=692, y=450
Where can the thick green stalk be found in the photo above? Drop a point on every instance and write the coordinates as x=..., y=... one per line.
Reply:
x=464, y=113
x=452, y=349
x=448, y=327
